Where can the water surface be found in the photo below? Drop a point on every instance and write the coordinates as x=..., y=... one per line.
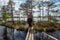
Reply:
x=21, y=35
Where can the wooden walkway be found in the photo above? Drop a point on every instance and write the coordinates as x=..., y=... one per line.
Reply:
x=45, y=36
x=30, y=35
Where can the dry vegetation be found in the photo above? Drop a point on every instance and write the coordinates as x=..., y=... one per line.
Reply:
x=38, y=26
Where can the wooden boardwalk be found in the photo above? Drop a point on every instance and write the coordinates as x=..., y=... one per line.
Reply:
x=45, y=36
x=30, y=35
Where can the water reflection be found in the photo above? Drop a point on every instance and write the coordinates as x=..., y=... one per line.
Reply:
x=1, y=32
x=18, y=35
x=37, y=36
x=21, y=35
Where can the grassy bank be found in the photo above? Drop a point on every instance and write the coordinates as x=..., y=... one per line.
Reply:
x=38, y=26
x=47, y=26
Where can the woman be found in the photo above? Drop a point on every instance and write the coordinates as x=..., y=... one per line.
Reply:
x=30, y=19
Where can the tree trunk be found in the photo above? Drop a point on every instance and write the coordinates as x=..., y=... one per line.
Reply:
x=40, y=12
x=12, y=19
x=19, y=19
x=48, y=14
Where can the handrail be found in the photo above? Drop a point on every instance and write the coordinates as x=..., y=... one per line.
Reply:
x=50, y=36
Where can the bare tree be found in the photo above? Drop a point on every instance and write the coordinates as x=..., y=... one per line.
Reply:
x=55, y=16
x=10, y=4
x=50, y=5
x=26, y=7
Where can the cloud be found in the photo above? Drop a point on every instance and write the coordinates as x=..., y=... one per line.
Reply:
x=3, y=2
x=17, y=4
x=16, y=1
x=40, y=0
x=57, y=3
x=45, y=0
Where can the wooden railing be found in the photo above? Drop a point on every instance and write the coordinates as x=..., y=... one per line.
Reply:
x=48, y=37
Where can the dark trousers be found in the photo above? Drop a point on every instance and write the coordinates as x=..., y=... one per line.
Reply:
x=30, y=22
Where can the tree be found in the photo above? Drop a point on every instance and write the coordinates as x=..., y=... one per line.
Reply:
x=10, y=4
x=27, y=7
x=5, y=17
x=19, y=16
x=39, y=6
x=50, y=5
x=55, y=16
x=11, y=8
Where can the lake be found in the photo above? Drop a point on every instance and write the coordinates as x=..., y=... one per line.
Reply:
x=20, y=35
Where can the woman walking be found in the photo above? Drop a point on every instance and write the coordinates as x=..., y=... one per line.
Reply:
x=30, y=20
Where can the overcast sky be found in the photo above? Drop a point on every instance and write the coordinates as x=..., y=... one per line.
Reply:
x=18, y=2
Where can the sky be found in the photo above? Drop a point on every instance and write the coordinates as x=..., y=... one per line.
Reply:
x=18, y=2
